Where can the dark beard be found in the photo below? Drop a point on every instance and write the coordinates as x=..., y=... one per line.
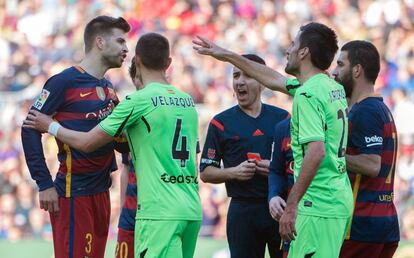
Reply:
x=289, y=69
x=348, y=83
x=111, y=62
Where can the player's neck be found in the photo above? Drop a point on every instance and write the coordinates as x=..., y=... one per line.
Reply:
x=253, y=110
x=360, y=92
x=150, y=76
x=93, y=66
x=307, y=72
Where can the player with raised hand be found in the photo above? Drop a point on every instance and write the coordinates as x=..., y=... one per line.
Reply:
x=319, y=205
x=79, y=98
x=161, y=125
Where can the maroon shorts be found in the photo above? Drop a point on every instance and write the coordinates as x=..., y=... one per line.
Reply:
x=125, y=244
x=80, y=229
x=356, y=249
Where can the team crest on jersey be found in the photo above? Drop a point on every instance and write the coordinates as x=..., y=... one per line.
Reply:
x=211, y=153
x=42, y=99
x=101, y=93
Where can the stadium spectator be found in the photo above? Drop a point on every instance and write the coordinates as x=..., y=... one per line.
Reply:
x=268, y=24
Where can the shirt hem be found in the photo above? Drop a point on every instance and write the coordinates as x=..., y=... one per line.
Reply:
x=169, y=218
x=105, y=130
x=312, y=139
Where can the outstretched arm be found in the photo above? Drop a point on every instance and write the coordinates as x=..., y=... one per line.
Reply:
x=263, y=74
x=83, y=141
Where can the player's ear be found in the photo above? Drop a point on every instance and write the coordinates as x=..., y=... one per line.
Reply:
x=169, y=60
x=99, y=42
x=357, y=71
x=137, y=61
x=303, y=52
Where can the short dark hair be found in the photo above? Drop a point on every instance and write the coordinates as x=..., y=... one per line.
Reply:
x=102, y=25
x=366, y=54
x=322, y=43
x=132, y=69
x=154, y=50
x=255, y=58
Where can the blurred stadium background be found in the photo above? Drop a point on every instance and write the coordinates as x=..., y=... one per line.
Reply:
x=41, y=38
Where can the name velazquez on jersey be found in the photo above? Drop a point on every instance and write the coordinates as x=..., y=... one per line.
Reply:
x=172, y=101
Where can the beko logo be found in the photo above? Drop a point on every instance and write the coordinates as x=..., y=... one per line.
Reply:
x=373, y=140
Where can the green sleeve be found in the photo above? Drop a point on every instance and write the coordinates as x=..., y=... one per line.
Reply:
x=311, y=118
x=292, y=84
x=125, y=113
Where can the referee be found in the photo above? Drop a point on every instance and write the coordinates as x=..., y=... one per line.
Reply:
x=241, y=137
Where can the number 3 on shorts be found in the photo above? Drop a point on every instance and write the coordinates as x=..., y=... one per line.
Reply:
x=88, y=247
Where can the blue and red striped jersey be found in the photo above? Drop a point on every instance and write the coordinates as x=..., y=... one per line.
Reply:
x=281, y=164
x=372, y=131
x=129, y=208
x=233, y=135
x=78, y=101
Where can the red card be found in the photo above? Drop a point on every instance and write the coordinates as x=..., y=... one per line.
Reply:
x=254, y=155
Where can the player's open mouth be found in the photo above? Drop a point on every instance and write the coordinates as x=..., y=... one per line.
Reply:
x=241, y=93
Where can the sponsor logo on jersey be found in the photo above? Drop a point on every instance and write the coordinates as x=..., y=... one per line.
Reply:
x=258, y=132
x=180, y=179
x=42, y=99
x=210, y=162
x=307, y=203
x=306, y=95
x=211, y=153
x=386, y=197
x=103, y=113
x=373, y=140
x=82, y=95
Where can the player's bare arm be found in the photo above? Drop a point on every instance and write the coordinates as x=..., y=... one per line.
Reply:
x=309, y=167
x=364, y=164
x=215, y=175
x=83, y=141
x=263, y=74
x=124, y=182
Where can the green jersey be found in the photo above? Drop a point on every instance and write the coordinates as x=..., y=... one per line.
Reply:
x=320, y=114
x=161, y=124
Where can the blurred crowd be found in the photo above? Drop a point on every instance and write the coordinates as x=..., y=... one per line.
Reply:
x=39, y=38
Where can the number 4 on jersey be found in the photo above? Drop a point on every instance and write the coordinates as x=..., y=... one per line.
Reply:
x=181, y=154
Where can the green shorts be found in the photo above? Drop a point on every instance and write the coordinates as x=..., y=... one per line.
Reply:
x=318, y=237
x=166, y=238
